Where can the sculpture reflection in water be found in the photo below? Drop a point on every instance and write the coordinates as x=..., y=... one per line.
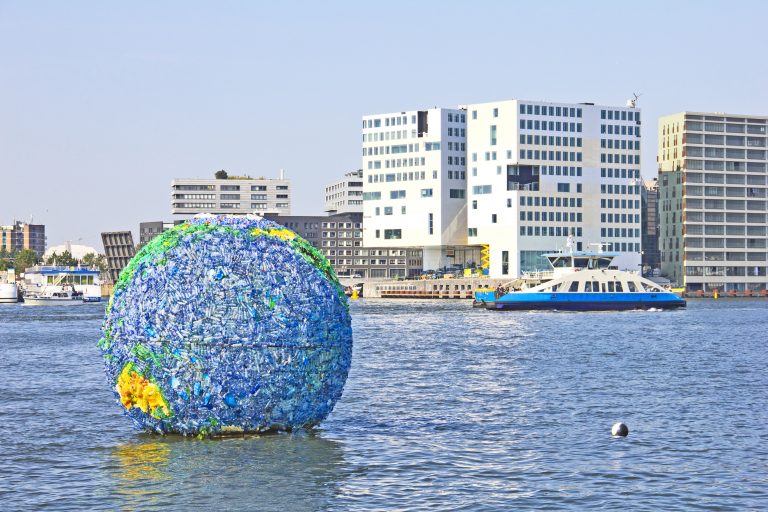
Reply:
x=299, y=471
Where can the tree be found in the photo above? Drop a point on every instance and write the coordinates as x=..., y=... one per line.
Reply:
x=6, y=260
x=65, y=259
x=24, y=259
x=221, y=175
x=93, y=260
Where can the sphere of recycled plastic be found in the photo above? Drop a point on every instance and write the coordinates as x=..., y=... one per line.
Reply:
x=227, y=324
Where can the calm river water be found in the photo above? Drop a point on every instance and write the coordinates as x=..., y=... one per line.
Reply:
x=446, y=408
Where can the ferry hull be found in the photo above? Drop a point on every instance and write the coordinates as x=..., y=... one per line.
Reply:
x=585, y=302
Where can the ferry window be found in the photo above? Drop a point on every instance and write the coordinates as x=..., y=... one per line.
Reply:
x=581, y=262
x=574, y=286
x=610, y=286
x=631, y=286
x=595, y=286
x=619, y=288
x=603, y=287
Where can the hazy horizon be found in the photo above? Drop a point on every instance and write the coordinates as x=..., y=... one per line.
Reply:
x=104, y=104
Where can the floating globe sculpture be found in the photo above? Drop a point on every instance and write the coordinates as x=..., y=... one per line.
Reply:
x=227, y=324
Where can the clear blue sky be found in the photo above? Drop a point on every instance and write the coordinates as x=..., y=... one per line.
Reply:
x=103, y=103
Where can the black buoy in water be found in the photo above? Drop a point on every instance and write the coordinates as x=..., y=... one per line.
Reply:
x=619, y=430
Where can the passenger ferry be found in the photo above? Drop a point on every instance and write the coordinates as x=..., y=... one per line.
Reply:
x=583, y=281
x=61, y=285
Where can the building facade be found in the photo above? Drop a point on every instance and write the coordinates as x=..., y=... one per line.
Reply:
x=20, y=235
x=149, y=230
x=345, y=195
x=340, y=238
x=230, y=196
x=651, y=257
x=119, y=249
x=712, y=200
x=538, y=172
x=414, y=183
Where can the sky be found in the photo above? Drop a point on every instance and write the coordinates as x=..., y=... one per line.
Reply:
x=102, y=104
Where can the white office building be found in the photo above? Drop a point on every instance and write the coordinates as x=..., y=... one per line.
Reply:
x=538, y=172
x=345, y=195
x=414, y=183
x=234, y=195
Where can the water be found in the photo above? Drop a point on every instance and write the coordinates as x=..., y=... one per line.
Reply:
x=446, y=408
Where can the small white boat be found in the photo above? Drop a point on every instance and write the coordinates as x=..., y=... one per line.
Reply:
x=66, y=296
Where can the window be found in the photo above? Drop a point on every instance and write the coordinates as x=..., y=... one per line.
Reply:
x=392, y=234
x=563, y=187
x=426, y=192
x=493, y=218
x=505, y=262
x=387, y=210
x=430, y=224
x=471, y=231
x=496, y=112
x=493, y=135
x=455, y=193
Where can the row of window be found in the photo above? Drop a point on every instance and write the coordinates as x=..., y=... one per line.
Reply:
x=552, y=126
x=557, y=170
x=558, y=231
x=620, y=115
x=236, y=188
x=619, y=218
x=751, y=271
x=547, y=110
x=342, y=234
x=609, y=188
x=537, y=216
x=619, y=233
x=720, y=204
x=388, y=121
x=390, y=234
x=741, y=218
x=714, y=165
x=391, y=135
x=551, y=140
x=620, y=144
x=457, y=132
x=399, y=162
x=720, y=243
x=698, y=126
x=620, y=203
x=615, y=158
x=719, y=256
x=400, y=176
x=342, y=243
x=564, y=156
x=610, y=172
x=551, y=201
x=611, y=129
x=737, y=191
x=459, y=118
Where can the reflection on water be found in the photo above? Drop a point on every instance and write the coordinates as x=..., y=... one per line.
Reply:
x=156, y=472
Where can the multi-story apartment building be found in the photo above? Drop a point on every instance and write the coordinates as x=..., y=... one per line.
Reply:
x=651, y=258
x=538, y=172
x=20, y=235
x=233, y=196
x=414, y=183
x=345, y=195
x=712, y=200
x=339, y=238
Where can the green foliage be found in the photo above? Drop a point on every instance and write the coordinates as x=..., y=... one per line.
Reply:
x=95, y=260
x=24, y=259
x=221, y=175
x=64, y=259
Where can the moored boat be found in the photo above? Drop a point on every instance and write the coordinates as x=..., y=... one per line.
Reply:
x=586, y=282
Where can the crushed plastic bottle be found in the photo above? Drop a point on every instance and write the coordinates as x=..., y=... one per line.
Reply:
x=227, y=323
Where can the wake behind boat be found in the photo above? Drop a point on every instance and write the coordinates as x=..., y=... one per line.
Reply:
x=584, y=282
